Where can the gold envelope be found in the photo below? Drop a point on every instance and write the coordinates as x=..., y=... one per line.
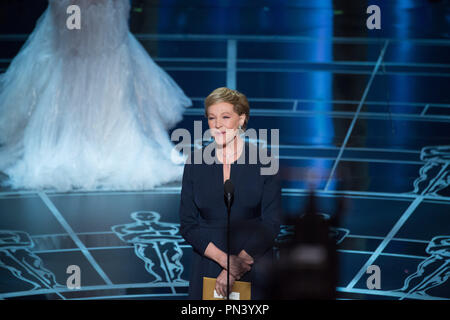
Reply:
x=241, y=290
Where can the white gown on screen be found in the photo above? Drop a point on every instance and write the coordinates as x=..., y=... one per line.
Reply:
x=87, y=109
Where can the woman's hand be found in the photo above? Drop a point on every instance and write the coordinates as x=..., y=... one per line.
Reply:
x=247, y=258
x=221, y=283
x=239, y=266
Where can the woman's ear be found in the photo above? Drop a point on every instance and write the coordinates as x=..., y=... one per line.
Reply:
x=242, y=120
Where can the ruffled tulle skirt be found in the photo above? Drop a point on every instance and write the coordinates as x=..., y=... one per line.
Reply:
x=84, y=118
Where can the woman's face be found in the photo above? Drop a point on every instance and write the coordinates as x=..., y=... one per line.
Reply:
x=223, y=122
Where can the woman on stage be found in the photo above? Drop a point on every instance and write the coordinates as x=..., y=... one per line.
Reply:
x=87, y=109
x=255, y=212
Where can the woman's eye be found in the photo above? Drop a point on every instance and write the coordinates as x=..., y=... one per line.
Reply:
x=226, y=117
x=210, y=118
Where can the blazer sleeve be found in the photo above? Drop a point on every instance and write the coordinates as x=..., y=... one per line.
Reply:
x=189, y=213
x=265, y=232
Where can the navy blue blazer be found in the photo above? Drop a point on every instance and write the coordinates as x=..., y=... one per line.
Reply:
x=255, y=215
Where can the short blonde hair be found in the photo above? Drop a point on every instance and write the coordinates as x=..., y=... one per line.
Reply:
x=234, y=97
